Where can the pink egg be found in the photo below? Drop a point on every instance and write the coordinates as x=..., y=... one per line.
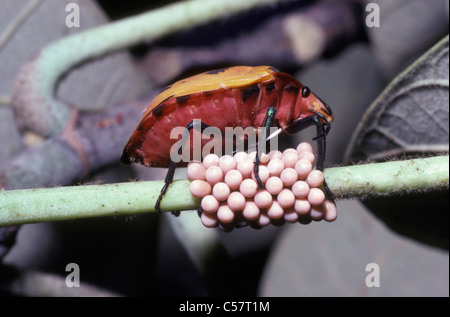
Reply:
x=315, y=178
x=196, y=171
x=286, y=198
x=213, y=175
x=248, y=187
x=240, y=157
x=225, y=214
x=264, y=158
x=209, y=220
x=263, y=199
x=263, y=173
x=227, y=163
x=236, y=201
x=275, y=166
x=329, y=210
x=251, y=156
x=200, y=188
x=316, y=197
x=300, y=189
x=275, y=154
x=316, y=213
x=211, y=160
x=307, y=156
x=233, y=179
x=221, y=191
x=289, y=158
x=246, y=168
x=263, y=220
x=305, y=147
x=303, y=168
x=290, y=215
x=302, y=206
x=275, y=211
x=251, y=211
x=289, y=150
x=209, y=204
x=289, y=176
x=274, y=185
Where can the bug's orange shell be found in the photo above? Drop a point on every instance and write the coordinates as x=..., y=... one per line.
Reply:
x=228, y=97
x=231, y=77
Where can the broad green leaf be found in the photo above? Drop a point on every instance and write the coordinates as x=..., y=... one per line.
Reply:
x=411, y=116
x=410, y=119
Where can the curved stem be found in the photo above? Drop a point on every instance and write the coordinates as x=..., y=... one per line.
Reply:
x=33, y=94
x=388, y=178
x=73, y=202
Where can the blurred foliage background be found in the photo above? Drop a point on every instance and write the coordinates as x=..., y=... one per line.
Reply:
x=326, y=45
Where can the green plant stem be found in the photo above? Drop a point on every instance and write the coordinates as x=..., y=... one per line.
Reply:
x=380, y=179
x=73, y=202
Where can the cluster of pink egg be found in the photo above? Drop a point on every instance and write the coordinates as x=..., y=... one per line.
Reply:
x=231, y=198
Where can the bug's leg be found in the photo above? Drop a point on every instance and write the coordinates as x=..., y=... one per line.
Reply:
x=167, y=182
x=321, y=148
x=320, y=137
x=322, y=131
x=259, y=150
x=171, y=171
x=321, y=143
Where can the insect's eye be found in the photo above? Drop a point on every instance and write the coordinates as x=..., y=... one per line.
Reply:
x=305, y=92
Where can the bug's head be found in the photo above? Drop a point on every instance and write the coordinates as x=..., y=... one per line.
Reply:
x=309, y=110
x=313, y=104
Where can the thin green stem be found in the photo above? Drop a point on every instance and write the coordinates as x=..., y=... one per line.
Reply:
x=379, y=179
x=73, y=202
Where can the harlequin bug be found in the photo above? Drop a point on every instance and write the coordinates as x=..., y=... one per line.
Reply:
x=242, y=96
